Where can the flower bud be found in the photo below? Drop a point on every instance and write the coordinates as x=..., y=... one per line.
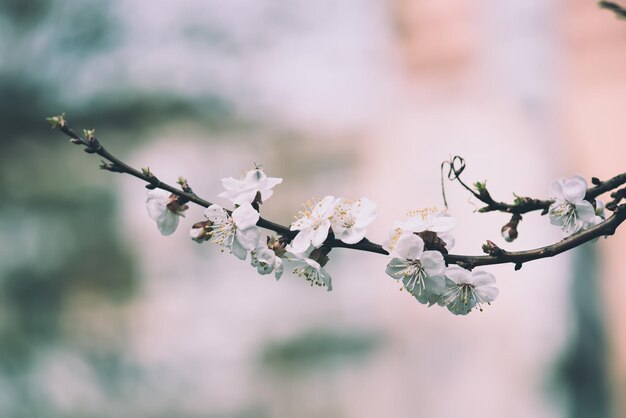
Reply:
x=277, y=245
x=491, y=248
x=201, y=231
x=509, y=231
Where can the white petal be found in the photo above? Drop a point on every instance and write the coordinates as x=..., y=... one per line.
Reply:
x=278, y=270
x=239, y=197
x=442, y=223
x=458, y=274
x=409, y=246
x=352, y=235
x=574, y=188
x=156, y=203
x=556, y=189
x=320, y=234
x=448, y=238
x=248, y=238
x=488, y=293
x=254, y=177
x=168, y=222
x=395, y=266
x=302, y=241
x=238, y=250
x=324, y=208
x=414, y=224
x=367, y=212
x=270, y=182
x=482, y=278
x=433, y=263
x=585, y=212
x=231, y=183
x=245, y=216
x=215, y=214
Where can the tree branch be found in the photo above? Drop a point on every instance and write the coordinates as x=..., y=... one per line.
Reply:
x=496, y=254
x=522, y=204
x=619, y=11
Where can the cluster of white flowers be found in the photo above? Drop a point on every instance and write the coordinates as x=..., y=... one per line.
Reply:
x=421, y=268
x=347, y=219
x=238, y=233
x=416, y=245
x=570, y=211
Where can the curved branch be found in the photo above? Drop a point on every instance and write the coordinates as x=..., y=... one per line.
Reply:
x=496, y=254
x=523, y=204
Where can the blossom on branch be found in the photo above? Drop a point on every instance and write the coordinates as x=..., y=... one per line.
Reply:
x=351, y=219
x=570, y=210
x=421, y=276
x=237, y=232
x=313, y=224
x=466, y=289
x=165, y=210
x=312, y=271
x=246, y=190
x=430, y=227
x=266, y=261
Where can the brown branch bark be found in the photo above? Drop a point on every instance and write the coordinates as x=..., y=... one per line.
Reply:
x=497, y=255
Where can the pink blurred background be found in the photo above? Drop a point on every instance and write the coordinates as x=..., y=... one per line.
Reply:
x=351, y=98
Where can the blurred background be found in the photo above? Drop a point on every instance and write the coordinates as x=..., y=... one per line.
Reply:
x=101, y=316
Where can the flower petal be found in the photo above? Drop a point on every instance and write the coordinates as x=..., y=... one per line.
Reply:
x=458, y=274
x=168, y=223
x=320, y=234
x=574, y=188
x=245, y=216
x=585, y=212
x=216, y=214
x=238, y=250
x=433, y=263
x=488, y=293
x=248, y=238
x=302, y=241
x=156, y=203
x=482, y=278
x=352, y=235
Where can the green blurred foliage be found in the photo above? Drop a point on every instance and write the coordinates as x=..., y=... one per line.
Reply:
x=320, y=350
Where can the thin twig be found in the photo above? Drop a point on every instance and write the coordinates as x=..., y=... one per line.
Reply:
x=524, y=204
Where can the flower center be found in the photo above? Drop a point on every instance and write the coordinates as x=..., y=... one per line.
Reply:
x=567, y=211
x=414, y=276
x=224, y=232
x=310, y=274
x=466, y=294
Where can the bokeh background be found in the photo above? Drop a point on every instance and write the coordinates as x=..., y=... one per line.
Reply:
x=100, y=316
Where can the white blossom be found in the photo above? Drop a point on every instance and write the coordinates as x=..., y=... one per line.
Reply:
x=421, y=276
x=237, y=232
x=266, y=261
x=570, y=210
x=351, y=219
x=403, y=244
x=466, y=289
x=245, y=191
x=433, y=220
x=313, y=224
x=403, y=241
x=312, y=271
x=164, y=210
